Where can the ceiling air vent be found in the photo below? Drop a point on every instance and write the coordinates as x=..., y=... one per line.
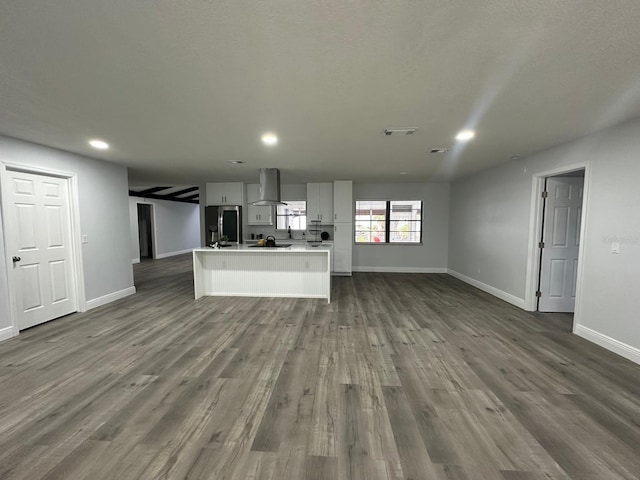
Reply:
x=398, y=132
x=439, y=150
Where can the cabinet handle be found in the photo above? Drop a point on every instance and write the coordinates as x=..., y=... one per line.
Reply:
x=16, y=259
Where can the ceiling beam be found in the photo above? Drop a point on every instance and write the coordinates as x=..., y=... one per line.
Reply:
x=161, y=197
x=191, y=197
x=151, y=190
x=182, y=192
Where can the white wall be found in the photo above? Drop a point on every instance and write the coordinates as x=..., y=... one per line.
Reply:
x=489, y=228
x=431, y=256
x=177, y=227
x=103, y=193
x=489, y=231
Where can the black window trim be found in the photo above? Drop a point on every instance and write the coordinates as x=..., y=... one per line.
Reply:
x=387, y=222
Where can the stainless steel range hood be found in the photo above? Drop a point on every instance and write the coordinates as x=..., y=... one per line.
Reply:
x=269, y=187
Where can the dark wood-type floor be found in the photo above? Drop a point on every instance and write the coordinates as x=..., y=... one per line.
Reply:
x=402, y=376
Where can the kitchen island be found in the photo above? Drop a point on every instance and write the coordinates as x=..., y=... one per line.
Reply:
x=299, y=271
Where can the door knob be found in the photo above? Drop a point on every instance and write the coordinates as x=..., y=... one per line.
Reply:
x=16, y=259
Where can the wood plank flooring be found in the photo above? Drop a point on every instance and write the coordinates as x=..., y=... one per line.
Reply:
x=402, y=376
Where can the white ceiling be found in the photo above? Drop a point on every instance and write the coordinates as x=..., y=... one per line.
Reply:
x=180, y=88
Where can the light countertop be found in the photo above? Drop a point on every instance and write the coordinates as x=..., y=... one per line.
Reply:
x=295, y=247
x=295, y=241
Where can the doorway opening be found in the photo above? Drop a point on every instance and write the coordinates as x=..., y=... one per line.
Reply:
x=557, y=226
x=145, y=231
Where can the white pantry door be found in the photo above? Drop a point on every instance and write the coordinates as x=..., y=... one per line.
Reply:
x=561, y=237
x=39, y=242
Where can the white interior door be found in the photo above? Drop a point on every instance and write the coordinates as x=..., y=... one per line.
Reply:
x=561, y=238
x=39, y=242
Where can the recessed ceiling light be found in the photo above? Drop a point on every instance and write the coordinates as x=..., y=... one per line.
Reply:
x=515, y=157
x=403, y=173
x=99, y=144
x=236, y=162
x=269, y=139
x=465, y=135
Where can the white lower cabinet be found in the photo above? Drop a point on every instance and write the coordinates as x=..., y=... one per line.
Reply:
x=342, y=248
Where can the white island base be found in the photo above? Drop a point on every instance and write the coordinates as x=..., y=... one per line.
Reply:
x=297, y=272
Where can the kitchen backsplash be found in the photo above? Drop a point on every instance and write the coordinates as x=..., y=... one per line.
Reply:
x=282, y=235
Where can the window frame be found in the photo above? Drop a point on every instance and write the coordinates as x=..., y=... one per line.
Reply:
x=387, y=223
x=285, y=229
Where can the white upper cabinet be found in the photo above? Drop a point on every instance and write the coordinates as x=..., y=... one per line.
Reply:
x=320, y=202
x=343, y=201
x=257, y=214
x=231, y=193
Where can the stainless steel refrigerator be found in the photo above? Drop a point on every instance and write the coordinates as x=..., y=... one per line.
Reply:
x=223, y=220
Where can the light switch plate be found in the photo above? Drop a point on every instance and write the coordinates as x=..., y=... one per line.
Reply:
x=85, y=238
x=615, y=247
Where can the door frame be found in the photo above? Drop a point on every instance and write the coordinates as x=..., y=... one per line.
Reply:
x=143, y=201
x=535, y=232
x=77, y=269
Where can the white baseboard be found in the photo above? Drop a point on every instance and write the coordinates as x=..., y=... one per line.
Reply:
x=111, y=297
x=400, y=269
x=611, y=344
x=6, y=333
x=172, y=254
x=507, y=297
x=135, y=260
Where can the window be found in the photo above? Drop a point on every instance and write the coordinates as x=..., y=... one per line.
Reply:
x=292, y=215
x=388, y=221
x=371, y=223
